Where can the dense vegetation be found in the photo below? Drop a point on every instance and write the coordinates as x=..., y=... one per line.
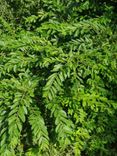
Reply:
x=58, y=77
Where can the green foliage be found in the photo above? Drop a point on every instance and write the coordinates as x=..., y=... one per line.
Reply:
x=58, y=78
x=5, y=10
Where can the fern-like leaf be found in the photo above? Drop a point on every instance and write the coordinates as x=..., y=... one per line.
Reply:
x=39, y=130
x=64, y=126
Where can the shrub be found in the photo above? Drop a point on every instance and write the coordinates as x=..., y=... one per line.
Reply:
x=59, y=80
